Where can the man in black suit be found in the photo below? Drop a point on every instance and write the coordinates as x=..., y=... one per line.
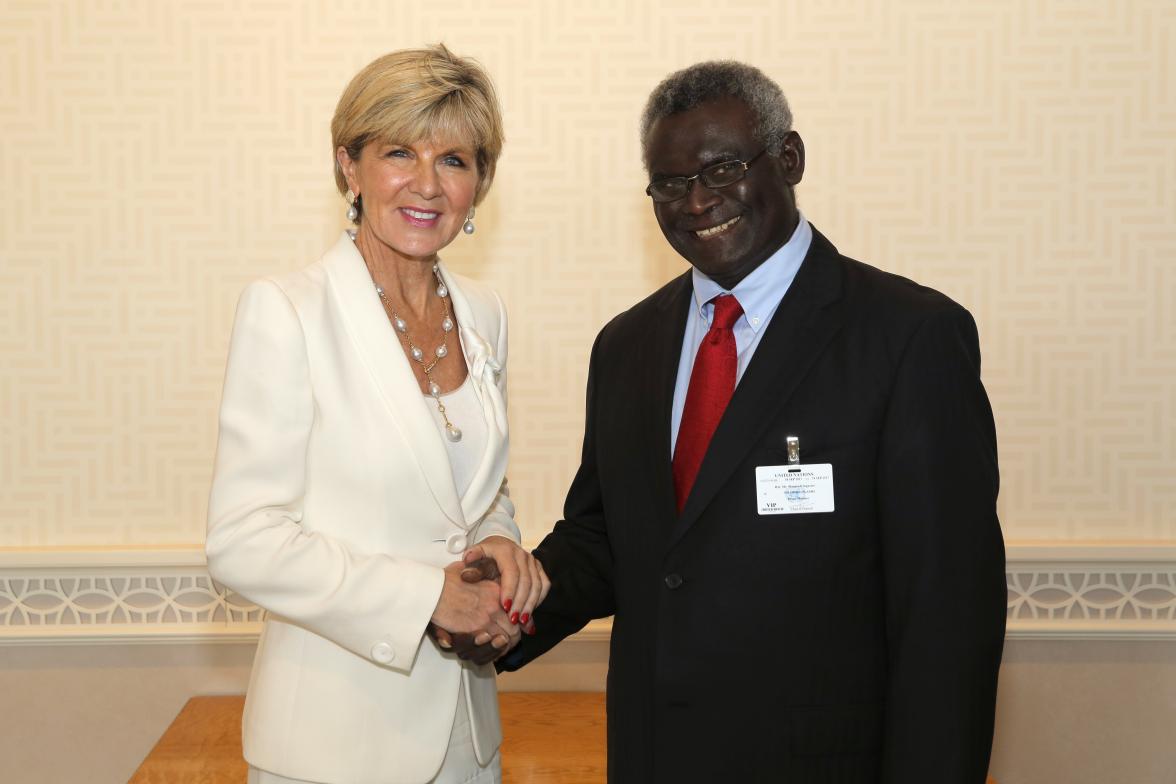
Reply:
x=787, y=494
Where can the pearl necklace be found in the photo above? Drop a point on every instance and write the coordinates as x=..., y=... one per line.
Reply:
x=418, y=354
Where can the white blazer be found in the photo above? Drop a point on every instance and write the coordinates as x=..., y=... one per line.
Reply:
x=333, y=506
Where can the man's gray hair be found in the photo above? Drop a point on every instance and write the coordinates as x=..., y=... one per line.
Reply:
x=709, y=81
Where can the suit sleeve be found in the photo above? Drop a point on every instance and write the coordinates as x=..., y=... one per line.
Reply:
x=943, y=559
x=576, y=555
x=367, y=603
x=500, y=519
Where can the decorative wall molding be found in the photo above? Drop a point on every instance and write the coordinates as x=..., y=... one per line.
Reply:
x=1055, y=591
x=98, y=596
x=1092, y=590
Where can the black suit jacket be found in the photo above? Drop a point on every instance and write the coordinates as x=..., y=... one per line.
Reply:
x=860, y=645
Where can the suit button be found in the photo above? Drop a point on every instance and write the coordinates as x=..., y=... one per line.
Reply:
x=383, y=653
x=673, y=581
x=456, y=543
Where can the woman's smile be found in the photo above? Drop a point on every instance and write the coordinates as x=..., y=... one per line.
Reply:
x=421, y=218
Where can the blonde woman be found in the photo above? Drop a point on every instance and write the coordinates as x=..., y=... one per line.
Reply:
x=362, y=452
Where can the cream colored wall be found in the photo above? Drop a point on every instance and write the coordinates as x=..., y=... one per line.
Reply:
x=155, y=156
x=90, y=714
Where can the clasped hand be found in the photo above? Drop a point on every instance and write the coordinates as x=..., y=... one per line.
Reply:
x=487, y=600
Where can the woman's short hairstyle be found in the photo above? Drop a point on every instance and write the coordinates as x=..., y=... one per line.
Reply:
x=418, y=94
x=709, y=81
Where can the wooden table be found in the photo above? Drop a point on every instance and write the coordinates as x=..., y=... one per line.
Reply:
x=201, y=746
x=550, y=738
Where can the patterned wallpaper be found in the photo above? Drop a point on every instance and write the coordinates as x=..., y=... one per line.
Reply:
x=157, y=155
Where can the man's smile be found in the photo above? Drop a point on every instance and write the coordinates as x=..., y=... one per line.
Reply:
x=714, y=231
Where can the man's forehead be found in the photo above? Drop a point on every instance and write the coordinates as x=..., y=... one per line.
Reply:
x=718, y=127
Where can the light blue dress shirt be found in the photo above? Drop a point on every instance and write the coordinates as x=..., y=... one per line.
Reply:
x=759, y=294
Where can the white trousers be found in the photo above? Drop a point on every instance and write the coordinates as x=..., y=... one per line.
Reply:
x=459, y=767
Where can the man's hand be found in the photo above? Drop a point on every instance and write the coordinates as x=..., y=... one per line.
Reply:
x=478, y=569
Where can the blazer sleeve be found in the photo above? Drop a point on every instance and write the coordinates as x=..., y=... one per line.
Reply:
x=375, y=605
x=943, y=558
x=500, y=519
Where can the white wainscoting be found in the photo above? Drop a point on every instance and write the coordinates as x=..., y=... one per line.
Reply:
x=1094, y=590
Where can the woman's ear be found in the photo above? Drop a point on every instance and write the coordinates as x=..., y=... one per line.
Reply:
x=347, y=166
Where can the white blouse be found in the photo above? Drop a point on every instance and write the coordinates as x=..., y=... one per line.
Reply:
x=465, y=412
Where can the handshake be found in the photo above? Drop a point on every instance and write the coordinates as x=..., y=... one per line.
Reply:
x=473, y=618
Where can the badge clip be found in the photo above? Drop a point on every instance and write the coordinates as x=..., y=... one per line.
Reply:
x=793, y=450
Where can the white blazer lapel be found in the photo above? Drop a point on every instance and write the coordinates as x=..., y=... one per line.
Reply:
x=367, y=323
x=485, y=370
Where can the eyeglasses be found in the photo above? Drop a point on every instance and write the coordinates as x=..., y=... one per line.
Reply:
x=719, y=175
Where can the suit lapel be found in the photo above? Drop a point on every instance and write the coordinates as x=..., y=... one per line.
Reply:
x=666, y=344
x=483, y=367
x=805, y=323
x=372, y=334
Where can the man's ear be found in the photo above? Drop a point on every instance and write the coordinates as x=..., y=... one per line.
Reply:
x=792, y=158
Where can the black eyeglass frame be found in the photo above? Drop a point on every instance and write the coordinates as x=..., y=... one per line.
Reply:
x=702, y=175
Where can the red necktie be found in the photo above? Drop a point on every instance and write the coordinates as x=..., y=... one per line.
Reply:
x=712, y=381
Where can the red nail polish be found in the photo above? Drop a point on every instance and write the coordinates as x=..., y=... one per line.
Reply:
x=524, y=617
x=514, y=618
x=506, y=605
x=531, y=630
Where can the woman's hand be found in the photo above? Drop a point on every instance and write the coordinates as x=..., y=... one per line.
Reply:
x=472, y=607
x=483, y=647
x=524, y=583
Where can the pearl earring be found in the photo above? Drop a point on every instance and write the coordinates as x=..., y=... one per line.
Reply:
x=353, y=210
x=468, y=227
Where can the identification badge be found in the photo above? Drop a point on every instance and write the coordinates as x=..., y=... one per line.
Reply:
x=794, y=489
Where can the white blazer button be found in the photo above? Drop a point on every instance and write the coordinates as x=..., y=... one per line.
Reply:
x=456, y=543
x=383, y=653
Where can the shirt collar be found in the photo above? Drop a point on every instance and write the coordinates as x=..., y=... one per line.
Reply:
x=761, y=291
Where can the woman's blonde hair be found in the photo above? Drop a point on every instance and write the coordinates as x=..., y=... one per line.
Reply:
x=418, y=94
